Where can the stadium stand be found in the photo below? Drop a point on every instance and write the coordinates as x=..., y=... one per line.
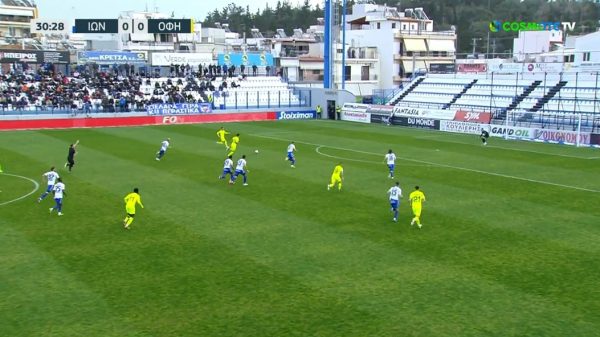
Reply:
x=43, y=91
x=552, y=99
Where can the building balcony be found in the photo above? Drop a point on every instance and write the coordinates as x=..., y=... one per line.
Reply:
x=18, y=24
x=358, y=79
x=450, y=35
x=424, y=56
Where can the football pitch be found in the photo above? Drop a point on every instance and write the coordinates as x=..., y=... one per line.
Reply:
x=510, y=244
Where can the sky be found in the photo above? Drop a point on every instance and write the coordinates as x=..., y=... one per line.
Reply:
x=110, y=9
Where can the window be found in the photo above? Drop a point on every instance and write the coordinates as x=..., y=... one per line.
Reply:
x=364, y=73
x=393, y=25
x=403, y=26
x=316, y=72
x=378, y=25
x=569, y=58
x=586, y=56
x=347, y=73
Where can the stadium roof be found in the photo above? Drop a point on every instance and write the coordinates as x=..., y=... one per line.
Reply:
x=18, y=3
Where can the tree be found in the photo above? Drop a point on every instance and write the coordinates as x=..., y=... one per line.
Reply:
x=470, y=17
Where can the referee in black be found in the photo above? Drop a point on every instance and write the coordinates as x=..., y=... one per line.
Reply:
x=71, y=156
x=484, y=136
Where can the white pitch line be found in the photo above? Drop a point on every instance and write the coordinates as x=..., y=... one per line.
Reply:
x=449, y=166
x=360, y=160
x=439, y=138
x=35, y=183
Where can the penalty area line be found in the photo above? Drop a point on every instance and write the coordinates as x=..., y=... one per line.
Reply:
x=542, y=182
x=35, y=183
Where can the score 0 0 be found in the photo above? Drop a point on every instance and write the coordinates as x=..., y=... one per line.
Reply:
x=133, y=26
x=48, y=26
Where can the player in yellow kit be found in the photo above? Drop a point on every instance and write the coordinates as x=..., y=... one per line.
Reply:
x=234, y=143
x=337, y=177
x=416, y=199
x=221, y=135
x=130, y=201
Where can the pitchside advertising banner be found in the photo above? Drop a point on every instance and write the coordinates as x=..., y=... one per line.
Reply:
x=570, y=137
x=511, y=68
x=415, y=122
x=310, y=114
x=442, y=68
x=380, y=109
x=424, y=113
x=67, y=123
x=472, y=116
x=111, y=57
x=463, y=127
x=179, y=109
x=354, y=112
x=356, y=116
x=512, y=132
x=471, y=68
x=193, y=59
x=33, y=56
x=238, y=59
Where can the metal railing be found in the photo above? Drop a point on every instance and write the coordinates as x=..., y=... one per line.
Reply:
x=235, y=100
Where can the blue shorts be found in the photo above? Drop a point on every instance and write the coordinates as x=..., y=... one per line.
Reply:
x=394, y=204
x=227, y=171
x=49, y=189
x=391, y=167
x=290, y=155
x=238, y=172
x=58, y=201
x=161, y=152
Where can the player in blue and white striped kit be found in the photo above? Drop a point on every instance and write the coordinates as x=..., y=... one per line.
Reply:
x=240, y=168
x=163, y=148
x=227, y=168
x=51, y=177
x=290, y=154
x=59, y=192
x=395, y=194
x=390, y=159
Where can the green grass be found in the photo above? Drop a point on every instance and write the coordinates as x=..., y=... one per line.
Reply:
x=510, y=244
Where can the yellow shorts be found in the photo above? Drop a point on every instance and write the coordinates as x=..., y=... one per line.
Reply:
x=130, y=210
x=417, y=211
x=222, y=140
x=335, y=179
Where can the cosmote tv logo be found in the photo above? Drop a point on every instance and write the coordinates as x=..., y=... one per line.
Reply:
x=517, y=26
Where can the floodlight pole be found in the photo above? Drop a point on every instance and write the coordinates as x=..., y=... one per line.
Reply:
x=327, y=47
x=344, y=45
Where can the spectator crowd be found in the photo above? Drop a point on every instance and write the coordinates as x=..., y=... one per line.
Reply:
x=119, y=89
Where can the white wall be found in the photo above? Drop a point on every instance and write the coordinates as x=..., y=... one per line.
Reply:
x=534, y=42
x=587, y=43
x=386, y=48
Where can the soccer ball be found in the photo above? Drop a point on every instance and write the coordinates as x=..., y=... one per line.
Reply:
x=255, y=151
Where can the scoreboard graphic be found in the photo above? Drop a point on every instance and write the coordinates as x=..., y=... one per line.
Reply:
x=114, y=26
